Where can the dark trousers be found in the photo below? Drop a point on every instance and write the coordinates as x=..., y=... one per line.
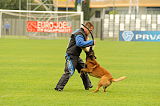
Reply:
x=7, y=31
x=72, y=63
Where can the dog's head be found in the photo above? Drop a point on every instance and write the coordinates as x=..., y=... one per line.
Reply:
x=90, y=54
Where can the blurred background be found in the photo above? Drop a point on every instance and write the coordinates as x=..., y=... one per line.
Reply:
x=18, y=18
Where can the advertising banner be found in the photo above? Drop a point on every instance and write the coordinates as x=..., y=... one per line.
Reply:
x=153, y=36
x=52, y=27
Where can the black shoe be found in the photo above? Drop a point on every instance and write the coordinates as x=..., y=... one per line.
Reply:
x=86, y=88
x=58, y=89
x=90, y=86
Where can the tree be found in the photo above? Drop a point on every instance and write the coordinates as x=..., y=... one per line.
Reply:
x=13, y=4
x=85, y=8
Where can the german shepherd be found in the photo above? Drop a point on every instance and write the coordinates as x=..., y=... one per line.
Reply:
x=95, y=70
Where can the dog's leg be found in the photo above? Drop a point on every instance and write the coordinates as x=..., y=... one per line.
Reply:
x=85, y=70
x=108, y=83
x=103, y=82
x=94, y=66
x=97, y=89
x=104, y=87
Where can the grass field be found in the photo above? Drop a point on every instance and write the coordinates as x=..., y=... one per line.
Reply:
x=30, y=69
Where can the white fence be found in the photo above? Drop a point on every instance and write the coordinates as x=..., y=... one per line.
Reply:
x=107, y=28
x=113, y=24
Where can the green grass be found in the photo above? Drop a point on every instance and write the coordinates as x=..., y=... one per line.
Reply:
x=30, y=69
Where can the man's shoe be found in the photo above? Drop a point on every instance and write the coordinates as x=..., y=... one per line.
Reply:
x=58, y=89
x=90, y=86
x=86, y=88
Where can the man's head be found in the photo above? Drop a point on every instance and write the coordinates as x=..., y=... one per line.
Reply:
x=89, y=26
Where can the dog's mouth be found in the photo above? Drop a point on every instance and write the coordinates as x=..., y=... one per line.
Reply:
x=91, y=55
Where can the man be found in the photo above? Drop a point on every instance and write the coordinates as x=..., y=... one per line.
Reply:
x=78, y=41
x=7, y=27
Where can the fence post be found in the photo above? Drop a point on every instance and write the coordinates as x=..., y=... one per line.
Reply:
x=101, y=30
x=0, y=24
x=82, y=19
x=102, y=24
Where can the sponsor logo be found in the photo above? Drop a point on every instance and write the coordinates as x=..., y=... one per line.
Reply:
x=52, y=27
x=147, y=37
x=127, y=35
x=140, y=36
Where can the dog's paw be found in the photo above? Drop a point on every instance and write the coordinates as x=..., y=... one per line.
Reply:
x=95, y=91
x=84, y=70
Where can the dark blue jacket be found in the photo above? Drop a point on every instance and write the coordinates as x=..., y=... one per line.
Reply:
x=77, y=42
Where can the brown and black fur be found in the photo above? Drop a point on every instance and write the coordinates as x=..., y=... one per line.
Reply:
x=94, y=69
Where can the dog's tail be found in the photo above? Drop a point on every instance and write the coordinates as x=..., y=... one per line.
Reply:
x=119, y=79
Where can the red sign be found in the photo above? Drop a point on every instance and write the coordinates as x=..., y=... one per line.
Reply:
x=45, y=26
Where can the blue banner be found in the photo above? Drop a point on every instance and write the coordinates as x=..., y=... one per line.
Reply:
x=151, y=36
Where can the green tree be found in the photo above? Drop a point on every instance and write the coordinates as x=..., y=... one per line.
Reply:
x=75, y=5
x=85, y=8
x=13, y=4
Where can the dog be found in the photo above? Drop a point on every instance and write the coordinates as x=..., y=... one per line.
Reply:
x=94, y=69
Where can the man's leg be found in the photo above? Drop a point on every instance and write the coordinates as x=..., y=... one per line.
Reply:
x=86, y=81
x=63, y=81
x=69, y=71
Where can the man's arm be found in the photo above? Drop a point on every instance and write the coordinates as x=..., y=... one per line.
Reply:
x=82, y=43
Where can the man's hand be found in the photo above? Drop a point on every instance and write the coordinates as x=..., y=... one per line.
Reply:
x=94, y=42
x=86, y=49
x=87, y=38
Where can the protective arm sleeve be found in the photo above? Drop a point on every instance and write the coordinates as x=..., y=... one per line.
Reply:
x=82, y=43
